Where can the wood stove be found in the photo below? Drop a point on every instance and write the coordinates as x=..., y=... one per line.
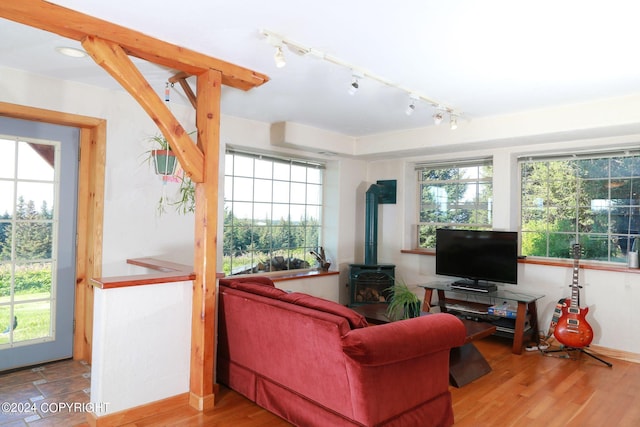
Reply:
x=369, y=284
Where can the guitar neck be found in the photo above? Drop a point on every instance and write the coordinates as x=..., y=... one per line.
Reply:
x=575, y=287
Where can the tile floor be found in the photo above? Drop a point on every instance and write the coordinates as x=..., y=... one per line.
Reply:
x=53, y=394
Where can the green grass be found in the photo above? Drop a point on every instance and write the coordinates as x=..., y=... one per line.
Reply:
x=34, y=319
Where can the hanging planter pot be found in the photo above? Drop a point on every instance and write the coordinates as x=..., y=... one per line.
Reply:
x=164, y=162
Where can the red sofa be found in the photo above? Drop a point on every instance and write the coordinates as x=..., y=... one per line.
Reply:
x=316, y=363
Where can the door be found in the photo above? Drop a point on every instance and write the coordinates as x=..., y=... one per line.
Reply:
x=38, y=203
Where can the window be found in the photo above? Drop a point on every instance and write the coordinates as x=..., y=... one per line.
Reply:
x=453, y=195
x=28, y=226
x=591, y=200
x=272, y=213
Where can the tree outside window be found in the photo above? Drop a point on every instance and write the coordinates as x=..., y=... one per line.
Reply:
x=593, y=201
x=453, y=196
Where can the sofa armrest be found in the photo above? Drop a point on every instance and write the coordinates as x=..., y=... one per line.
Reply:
x=404, y=339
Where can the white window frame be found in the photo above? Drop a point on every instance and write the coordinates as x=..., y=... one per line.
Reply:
x=313, y=201
x=579, y=233
x=478, y=181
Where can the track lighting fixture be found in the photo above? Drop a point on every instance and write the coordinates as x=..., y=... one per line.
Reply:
x=409, y=110
x=355, y=81
x=279, y=57
x=358, y=75
x=453, y=121
x=438, y=117
x=412, y=104
x=353, y=88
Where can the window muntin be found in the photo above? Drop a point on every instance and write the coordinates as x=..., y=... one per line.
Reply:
x=590, y=200
x=272, y=213
x=454, y=196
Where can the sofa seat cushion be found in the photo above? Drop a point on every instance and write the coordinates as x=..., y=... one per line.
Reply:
x=355, y=320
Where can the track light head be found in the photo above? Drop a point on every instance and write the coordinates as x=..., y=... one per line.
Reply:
x=410, y=109
x=438, y=117
x=356, y=75
x=279, y=57
x=353, y=88
x=413, y=99
x=453, y=122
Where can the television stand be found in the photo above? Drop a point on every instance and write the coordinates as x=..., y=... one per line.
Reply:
x=474, y=305
x=468, y=285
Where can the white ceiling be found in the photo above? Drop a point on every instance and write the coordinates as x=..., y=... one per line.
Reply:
x=483, y=58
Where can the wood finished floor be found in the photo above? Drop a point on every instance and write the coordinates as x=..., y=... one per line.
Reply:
x=527, y=390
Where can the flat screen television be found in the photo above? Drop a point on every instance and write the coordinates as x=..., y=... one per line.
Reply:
x=477, y=256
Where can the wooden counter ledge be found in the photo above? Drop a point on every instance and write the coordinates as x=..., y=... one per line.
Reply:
x=167, y=272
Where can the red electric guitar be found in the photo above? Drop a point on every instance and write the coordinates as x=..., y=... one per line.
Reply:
x=573, y=330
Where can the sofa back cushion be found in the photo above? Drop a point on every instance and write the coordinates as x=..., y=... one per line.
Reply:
x=355, y=320
x=263, y=286
x=262, y=280
x=256, y=285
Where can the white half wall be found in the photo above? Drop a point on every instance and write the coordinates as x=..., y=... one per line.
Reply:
x=319, y=286
x=141, y=345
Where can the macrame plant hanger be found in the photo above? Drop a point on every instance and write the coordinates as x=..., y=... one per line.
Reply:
x=164, y=201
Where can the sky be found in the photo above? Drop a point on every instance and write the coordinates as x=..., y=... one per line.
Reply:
x=27, y=172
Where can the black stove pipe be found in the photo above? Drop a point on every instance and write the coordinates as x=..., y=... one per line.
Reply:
x=371, y=224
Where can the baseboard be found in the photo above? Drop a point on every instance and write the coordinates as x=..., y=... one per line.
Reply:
x=139, y=412
x=615, y=354
x=202, y=403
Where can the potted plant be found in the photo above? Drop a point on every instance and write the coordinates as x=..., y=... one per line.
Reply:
x=165, y=163
x=403, y=304
x=164, y=160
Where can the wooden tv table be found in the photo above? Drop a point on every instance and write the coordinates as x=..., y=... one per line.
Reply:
x=466, y=363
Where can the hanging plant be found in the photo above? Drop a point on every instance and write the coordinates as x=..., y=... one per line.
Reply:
x=164, y=160
x=166, y=165
x=187, y=195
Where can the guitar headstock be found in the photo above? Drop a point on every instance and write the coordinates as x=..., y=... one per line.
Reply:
x=576, y=251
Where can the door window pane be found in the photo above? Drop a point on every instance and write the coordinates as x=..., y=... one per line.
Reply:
x=27, y=289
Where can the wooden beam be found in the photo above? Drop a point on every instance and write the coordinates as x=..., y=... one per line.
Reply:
x=181, y=78
x=75, y=25
x=203, y=326
x=115, y=61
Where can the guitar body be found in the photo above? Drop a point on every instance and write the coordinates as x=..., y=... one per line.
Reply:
x=572, y=329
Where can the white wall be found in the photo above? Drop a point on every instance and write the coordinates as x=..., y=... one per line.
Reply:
x=319, y=286
x=141, y=345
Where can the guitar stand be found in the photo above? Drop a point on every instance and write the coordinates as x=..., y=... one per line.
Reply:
x=581, y=350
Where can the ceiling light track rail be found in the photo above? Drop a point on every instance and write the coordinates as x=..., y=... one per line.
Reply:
x=357, y=73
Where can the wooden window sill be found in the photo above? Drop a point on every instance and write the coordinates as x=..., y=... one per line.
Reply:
x=552, y=262
x=169, y=272
x=281, y=276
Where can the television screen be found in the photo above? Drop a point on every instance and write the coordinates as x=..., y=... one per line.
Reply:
x=490, y=256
